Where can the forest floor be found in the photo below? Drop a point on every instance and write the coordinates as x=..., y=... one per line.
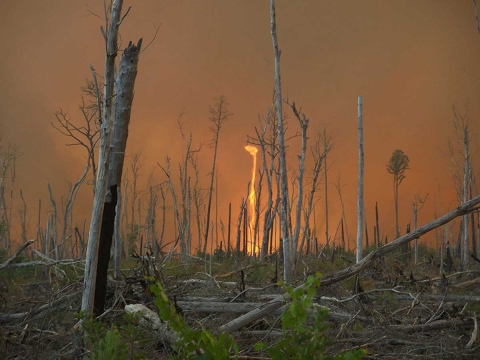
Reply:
x=393, y=309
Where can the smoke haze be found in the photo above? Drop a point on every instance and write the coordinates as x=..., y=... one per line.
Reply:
x=410, y=60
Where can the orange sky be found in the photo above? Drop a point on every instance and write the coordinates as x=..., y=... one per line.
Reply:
x=410, y=60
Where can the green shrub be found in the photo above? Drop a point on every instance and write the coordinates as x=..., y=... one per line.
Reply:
x=302, y=339
x=114, y=343
x=109, y=347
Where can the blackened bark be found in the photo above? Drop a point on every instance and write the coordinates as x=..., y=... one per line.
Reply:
x=106, y=237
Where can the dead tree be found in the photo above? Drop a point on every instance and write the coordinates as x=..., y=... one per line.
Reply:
x=459, y=153
x=239, y=229
x=360, y=206
x=23, y=218
x=318, y=156
x=66, y=232
x=269, y=151
x=136, y=164
x=124, y=87
x=113, y=136
x=377, y=226
x=219, y=114
x=285, y=206
x=339, y=187
x=472, y=217
x=106, y=125
x=198, y=198
x=326, y=151
x=54, y=230
x=87, y=134
x=185, y=186
x=417, y=205
x=303, y=121
x=8, y=157
x=257, y=213
x=152, y=217
x=176, y=212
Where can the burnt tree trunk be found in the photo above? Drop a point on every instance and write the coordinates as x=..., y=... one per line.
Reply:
x=124, y=84
x=91, y=264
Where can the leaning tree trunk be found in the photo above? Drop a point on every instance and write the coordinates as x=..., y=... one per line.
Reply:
x=284, y=208
x=360, y=181
x=124, y=84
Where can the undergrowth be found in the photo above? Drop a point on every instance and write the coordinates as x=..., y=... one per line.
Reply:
x=302, y=338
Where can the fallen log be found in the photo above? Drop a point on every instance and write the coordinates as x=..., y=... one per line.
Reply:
x=466, y=284
x=436, y=325
x=209, y=282
x=43, y=263
x=151, y=321
x=242, y=308
x=400, y=295
x=258, y=313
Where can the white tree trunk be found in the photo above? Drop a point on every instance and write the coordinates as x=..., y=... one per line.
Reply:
x=360, y=181
x=54, y=230
x=284, y=208
x=442, y=247
x=466, y=177
x=303, y=121
x=415, y=242
x=326, y=184
x=103, y=159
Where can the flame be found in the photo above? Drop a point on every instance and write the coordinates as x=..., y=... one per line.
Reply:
x=252, y=150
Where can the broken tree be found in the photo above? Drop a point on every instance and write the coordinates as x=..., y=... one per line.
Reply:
x=118, y=99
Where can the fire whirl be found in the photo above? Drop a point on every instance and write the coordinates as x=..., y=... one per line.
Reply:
x=252, y=150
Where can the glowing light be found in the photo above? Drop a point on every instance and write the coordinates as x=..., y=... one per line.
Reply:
x=252, y=150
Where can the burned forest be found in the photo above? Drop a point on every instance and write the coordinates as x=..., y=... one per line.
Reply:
x=248, y=180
